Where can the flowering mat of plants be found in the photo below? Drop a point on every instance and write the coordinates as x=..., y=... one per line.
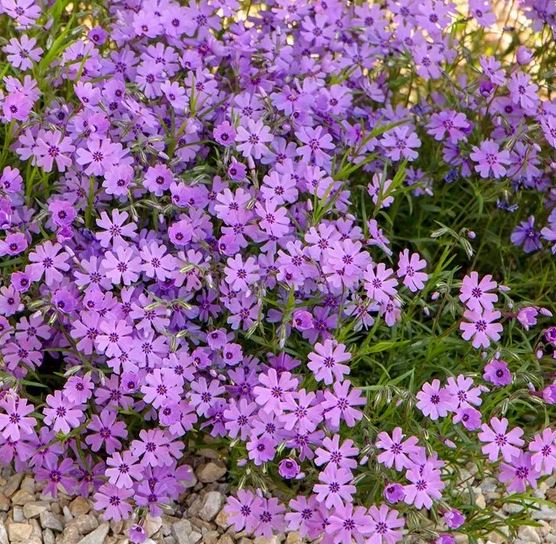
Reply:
x=310, y=240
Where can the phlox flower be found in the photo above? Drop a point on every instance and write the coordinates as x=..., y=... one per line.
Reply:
x=490, y=159
x=387, y=525
x=335, y=488
x=60, y=414
x=518, y=473
x=124, y=469
x=474, y=293
x=435, y=401
x=481, y=328
x=340, y=402
x=253, y=139
x=269, y=515
x=113, y=500
x=240, y=510
x=114, y=228
x=497, y=373
x=450, y=124
x=543, y=451
x=333, y=452
x=157, y=263
x=122, y=265
x=525, y=235
x=106, y=431
x=315, y=143
x=462, y=391
x=15, y=421
x=48, y=259
x=426, y=486
x=408, y=269
x=326, y=361
x=349, y=524
x=397, y=450
x=271, y=393
x=239, y=274
x=400, y=143
x=499, y=440
x=380, y=283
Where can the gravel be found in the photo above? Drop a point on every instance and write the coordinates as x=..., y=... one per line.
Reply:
x=28, y=517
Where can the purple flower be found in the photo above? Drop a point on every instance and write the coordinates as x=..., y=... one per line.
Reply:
x=400, y=143
x=397, y=450
x=253, y=139
x=335, y=488
x=435, y=401
x=480, y=327
x=408, y=269
x=490, y=159
x=454, y=518
x=349, y=524
x=326, y=361
x=394, y=493
x=15, y=422
x=288, y=469
x=499, y=441
x=475, y=294
x=332, y=452
x=518, y=472
x=525, y=235
x=60, y=414
x=543, y=451
x=387, y=525
x=340, y=402
x=241, y=511
x=113, y=500
x=425, y=487
x=315, y=141
x=497, y=372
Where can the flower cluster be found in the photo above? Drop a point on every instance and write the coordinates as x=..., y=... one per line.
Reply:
x=197, y=207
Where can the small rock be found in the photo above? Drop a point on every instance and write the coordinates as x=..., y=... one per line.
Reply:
x=211, y=537
x=512, y=508
x=69, y=536
x=19, y=532
x=84, y=524
x=221, y=519
x=48, y=537
x=293, y=538
x=51, y=521
x=274, y=539
x=12, y=485
x=212, y=504
x=528, y=534
x=4, y=503
x=152, y=525
x=184, y=533
x=545, y=513
x=22, y=497
x=3, y=534
x=34, y=509
x=79, y=506
x=28, y=484
x=210, y=472
x=480, y=500
x=98, y=536
x=226, y=539
x=17, y=514
x=245, y=540
x=68, y=516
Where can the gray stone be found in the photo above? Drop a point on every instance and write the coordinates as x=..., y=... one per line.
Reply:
x=546, y=513
x=184, y=534
x=212, y=503
x=84, y=524
x=22, y=497
x=17, y=514
x=3, y=534
x=34, y=509
x=19, y=532
x=293, y=538
x=226, y=539
x=211, y=472
x=48, y=536
x=98, y=536
x=51, y=521
x=12, y=484
x=4, y=503
x=152, y=525
x=70, y=535
x=529, y=534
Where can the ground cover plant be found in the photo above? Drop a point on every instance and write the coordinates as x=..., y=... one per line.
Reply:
x=316, y=236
